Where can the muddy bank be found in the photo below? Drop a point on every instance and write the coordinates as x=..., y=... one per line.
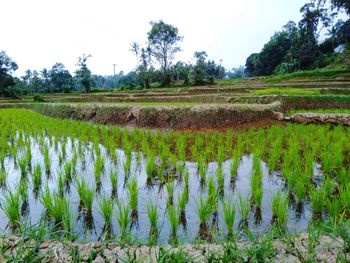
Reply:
x=297, y=249
x=175, y=117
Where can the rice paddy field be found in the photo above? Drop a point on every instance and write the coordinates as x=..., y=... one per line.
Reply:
x=92, y=182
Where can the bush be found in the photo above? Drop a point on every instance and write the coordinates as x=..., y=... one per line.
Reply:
x=38, y=98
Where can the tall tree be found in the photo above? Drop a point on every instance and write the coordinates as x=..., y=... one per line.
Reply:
x=163, y=40
x=84, y=73
x=7, y=66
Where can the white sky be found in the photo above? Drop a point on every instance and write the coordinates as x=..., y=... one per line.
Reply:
x=39, y=33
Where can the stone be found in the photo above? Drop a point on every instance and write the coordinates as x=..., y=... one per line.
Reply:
x=278, y=116
x=98, y=259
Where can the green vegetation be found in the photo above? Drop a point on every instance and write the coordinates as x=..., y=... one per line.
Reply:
x=286, y=92
x=333, y=111
x=292, y=151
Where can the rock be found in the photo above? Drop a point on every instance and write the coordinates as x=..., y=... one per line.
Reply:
x=109, y=255
x=278, y=116
x=98, y=259
x=318, y=118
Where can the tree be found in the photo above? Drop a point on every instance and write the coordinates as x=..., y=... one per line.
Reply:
x=7, y=66
x=312, y=15
x=83, y=73
x=144, y=63
x=163, y=41
x=199, y=73
x=342, y=4
x=60, y=79
x=181, y=71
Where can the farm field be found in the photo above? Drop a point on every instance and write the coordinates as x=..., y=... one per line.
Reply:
x=234, y=173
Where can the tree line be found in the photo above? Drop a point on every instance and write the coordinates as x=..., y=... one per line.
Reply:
x=297, y=47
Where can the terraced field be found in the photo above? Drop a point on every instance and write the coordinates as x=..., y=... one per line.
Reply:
x=247, y=179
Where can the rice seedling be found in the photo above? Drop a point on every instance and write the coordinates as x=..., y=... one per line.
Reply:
x=203, y=211
x=328, y=186
x=133, y=193
x=47, y=160
x=300, y=189
x=153, y=217
x=344, y=196
x=244, y=208
x=106, y=205
x=99, y=167
x=127, y=165
x=229, y=215
x=46, y=200
x=23, y=189
x=36, y=177
x=22, y=164
x=186, y=178
x=317, y=200
x=28, y=156
x=123, y=219
x=68, y=171
x=11, y=206
x=333, y=207
x=174, y=222
x=213, y=195
x=86, y=195
x=280, y=209
x=220, y=177
x=60, y=183
x=182, y=201
x=57, y=210
x=113, y=176
x=3, y=177
x=170, y=191
x=236, y=158
x=68, y=219
x=202, y=169
x=2, y=160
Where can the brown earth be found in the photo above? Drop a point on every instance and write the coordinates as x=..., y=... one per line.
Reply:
x=199, y=117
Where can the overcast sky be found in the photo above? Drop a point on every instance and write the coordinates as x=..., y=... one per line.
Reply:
x=39, y=33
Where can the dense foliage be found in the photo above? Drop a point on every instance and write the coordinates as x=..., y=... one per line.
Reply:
x=6, y=80
x=297, y=46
